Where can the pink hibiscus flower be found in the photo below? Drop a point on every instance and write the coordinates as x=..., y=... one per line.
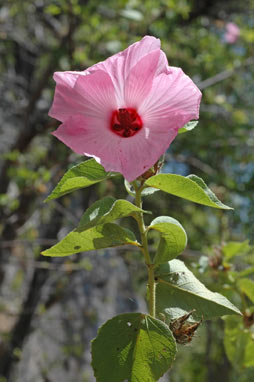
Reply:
x=126, y=110
x=232, y=33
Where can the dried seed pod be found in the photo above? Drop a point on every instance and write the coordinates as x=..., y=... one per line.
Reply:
x=183, y=330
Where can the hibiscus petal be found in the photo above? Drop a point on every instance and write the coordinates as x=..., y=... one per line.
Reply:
x=162, y=64
x=129, y=156
x=119, y=65
x=68, y=78
x=91, y=137
x=83, y=93
x=98, y=94
x=141, y=152
x=140, y=79
x=135, y=52
x=66, y=101
x=173, y=96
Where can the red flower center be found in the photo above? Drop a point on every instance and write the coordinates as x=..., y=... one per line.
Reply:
x=126, y=122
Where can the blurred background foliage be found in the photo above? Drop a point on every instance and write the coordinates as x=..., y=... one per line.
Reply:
x=40, y=37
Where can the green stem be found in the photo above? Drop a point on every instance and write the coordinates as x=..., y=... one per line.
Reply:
x=144, y=242
x=152, y=290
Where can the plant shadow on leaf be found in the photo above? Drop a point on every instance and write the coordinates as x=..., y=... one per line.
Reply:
x=115, y=235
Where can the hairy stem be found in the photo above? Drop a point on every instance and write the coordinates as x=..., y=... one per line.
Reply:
x=144, y=242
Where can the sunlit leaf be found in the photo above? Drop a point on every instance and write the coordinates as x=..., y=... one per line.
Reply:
x=132, y=347
x=106, y=210
x=246, y=286
x=246, y=272
x=191, y=188
x=238, y=343
x=132, y=14
x=173, y=238
x=145, y=192
x=179, y=292
x=80, y=176
x=235, y=248
x=188, y=127
x=102, y=236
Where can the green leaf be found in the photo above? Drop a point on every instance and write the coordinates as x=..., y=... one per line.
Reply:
x=102, y=236
x=106, y=210
x=246, y=286
x=179, y=291
x=173, y=238
x=132, y=347
x=132, y=14
x=80, y=176
x=235, y=248
x=53, y=10
x=188, y=127
x=238, y=343
x=235, y=341
x=246, y=272
x=249, y=359
x=191, y=188
x=145, y=192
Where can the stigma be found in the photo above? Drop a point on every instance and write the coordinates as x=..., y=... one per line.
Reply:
x=126, y=122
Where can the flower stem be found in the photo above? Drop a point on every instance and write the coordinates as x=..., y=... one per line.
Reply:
x=144, y=248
